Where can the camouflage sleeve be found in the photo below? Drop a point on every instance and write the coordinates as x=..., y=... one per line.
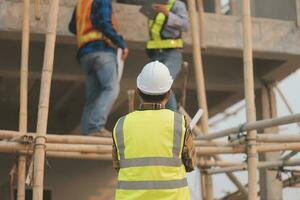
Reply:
x=189, y=158
x=116, y=164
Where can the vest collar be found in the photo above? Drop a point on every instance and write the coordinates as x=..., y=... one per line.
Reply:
x=151, y=106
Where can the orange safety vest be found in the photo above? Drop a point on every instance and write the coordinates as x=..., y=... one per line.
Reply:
x=85, y=30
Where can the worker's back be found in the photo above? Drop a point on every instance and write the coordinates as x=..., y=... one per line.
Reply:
x=149, y=145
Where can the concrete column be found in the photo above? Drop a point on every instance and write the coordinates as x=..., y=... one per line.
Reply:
x=270, y=187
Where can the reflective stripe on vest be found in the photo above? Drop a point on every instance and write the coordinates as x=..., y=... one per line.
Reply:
x=140, y=162
x=120, y=137
x=156, y=26
x=150, y=161
x=148, y=185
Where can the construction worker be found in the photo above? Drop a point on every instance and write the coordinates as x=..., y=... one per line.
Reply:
x=96, y=31
x=165, y=43
x=152, y=148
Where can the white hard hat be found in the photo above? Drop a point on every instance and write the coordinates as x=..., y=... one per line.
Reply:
x=155, y=79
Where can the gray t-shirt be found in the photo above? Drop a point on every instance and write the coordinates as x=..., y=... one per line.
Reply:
x=177, y=21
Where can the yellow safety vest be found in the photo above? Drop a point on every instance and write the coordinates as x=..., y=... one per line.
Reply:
x=149, y=145
x=156, y=26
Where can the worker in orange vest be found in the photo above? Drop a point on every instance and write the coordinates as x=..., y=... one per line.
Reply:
x=96, y=31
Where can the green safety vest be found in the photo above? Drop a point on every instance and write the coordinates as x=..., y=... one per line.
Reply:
x=149, y=145
x=156, y=26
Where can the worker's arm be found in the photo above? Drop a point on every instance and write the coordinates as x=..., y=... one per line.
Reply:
x=116, y=163
x=189, y=158
x=72, y=24
x=178, y=16
x=101, y=19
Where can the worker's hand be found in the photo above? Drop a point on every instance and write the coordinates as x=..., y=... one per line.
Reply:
x=125, y=54
x=160, y=8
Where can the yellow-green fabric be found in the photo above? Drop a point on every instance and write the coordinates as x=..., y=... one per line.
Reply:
x=155, y=28
x=149, y=145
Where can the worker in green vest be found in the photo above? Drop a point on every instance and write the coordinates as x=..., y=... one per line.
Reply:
x=165, y=40
x=152, y=148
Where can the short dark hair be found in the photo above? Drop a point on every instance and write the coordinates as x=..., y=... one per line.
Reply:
x=152, y=98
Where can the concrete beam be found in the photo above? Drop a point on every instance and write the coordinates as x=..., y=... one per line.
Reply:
x=230, y=100
x=222, y=32
x=213, y=83
x=282, y=71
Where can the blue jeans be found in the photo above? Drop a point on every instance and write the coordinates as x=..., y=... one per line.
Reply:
x=172, y=59
x=102, y=89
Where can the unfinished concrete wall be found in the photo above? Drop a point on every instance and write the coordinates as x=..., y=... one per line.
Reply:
x=69, y=179
x=274, y=9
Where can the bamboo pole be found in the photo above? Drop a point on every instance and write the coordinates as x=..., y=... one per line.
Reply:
x=289, y=156
x=201, y=95
x=278, y=147
x=233, y=7
x=218, y=7
x=270, y=186
x=237, y=183
x=201, y=23
x=285, y=101
x=250, y=102
x=261, y=165
x=278, y=121
x=227, y=114
x=185, y=71
x=69, y=155
x=203, y=143
x=39, y=155
x=298, y=12
x=23, y=95
x=77, y=155
x=66, y=139
x=231, y=176
x=196, y=130
x=216, y=163
x=130, y=94
x=15, y=147
x=290, y=182
x=204, y=151
x=37, y=9
x=282, y=138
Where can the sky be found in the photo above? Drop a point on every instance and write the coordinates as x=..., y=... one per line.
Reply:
x=290, y=86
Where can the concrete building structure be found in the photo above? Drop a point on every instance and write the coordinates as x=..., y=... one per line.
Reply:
x=276, y=46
